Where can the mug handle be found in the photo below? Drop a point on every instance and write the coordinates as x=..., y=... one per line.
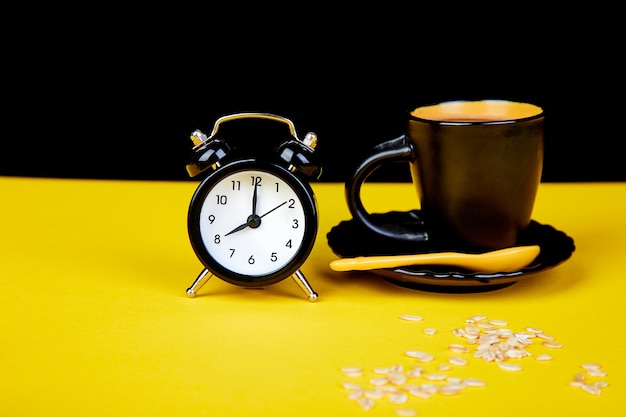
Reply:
x=394, y=150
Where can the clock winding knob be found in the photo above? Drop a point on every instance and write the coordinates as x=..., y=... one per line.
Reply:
x=310, y=140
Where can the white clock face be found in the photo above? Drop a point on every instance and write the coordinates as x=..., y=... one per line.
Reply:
x=252, y=223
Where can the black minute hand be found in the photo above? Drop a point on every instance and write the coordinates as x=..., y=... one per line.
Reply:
x=275, y=208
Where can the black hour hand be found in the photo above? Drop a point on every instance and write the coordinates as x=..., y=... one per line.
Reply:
x=253, y=221
x=254, y=199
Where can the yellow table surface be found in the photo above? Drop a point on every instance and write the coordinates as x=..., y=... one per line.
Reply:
x=95, y=320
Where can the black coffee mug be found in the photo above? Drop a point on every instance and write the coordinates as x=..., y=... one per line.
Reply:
x=476, y=166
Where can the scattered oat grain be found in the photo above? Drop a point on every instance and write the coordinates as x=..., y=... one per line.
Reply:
x=352, y=371
x=591, y=389
x=399, y=398
x=418, y=392
x=434, y=377
x=516, y=353
x=455, y=380
x=365, y=403
x=458, y=348
x=379, y=380
x=420, y=356
x=444, y=367
x=374, y=394
x=430, y=387
x=415, y=372
x=397, y=378
x=355, y=395
x=458, y=332
x=411, y=317
x=406, y=412
x=458, y=361
x=449, y=390
x=510, y=366
x=474, y=319
x=474, y=382
x=352, y=386
x=596, y=372
x=396, y=368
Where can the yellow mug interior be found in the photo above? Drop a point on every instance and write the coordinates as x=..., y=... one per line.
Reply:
x=481, y=111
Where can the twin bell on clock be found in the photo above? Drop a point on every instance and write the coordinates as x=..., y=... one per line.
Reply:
x=253, y=219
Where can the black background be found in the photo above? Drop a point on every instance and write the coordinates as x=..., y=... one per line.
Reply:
x=116, y=93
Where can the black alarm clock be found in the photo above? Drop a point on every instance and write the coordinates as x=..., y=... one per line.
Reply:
x=253, y=220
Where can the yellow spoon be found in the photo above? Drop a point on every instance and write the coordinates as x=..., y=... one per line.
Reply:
x=502, y=260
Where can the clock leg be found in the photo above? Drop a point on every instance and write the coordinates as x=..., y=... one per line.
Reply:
x=298, y=276
x=202, y=279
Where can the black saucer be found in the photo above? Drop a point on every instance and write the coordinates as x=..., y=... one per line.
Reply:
x=349, y=239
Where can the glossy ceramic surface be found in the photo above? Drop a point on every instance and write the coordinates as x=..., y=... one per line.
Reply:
x=476, y=167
